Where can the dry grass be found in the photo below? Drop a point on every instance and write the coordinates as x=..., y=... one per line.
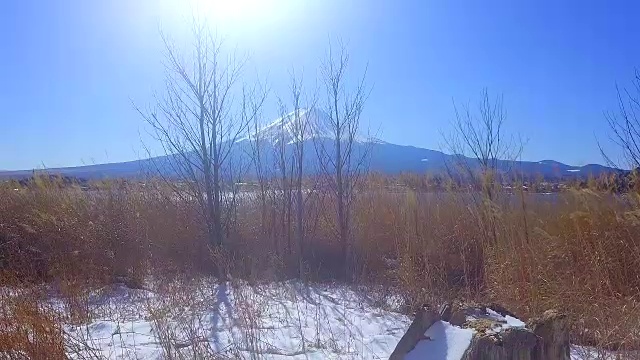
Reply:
x=577, y=251
x=28, y=329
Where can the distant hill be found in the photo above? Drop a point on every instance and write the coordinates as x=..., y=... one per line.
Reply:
x=383, y=157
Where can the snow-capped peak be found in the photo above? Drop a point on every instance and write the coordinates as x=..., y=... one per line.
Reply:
x=300, y=125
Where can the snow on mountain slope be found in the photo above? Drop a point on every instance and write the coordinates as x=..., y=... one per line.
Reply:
x=300, y=125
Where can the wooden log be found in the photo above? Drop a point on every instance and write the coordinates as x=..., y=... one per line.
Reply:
x=425, y=317
x=552, y=330
x=512, y=344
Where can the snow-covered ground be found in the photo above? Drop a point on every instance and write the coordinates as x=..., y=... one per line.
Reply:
x=234, y=320
x=287, y=321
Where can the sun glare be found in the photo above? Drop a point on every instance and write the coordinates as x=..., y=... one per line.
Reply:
x=235, y=12
x=235, y=17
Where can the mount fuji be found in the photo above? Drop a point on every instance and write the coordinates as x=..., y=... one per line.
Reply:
x=311, y=128
x=300, y=125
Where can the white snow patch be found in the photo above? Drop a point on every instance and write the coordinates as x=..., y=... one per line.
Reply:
x=425, y=159
x=591, y=353
x=445, y=341
x=508, y=321
x=514, y=322
x=502, y=322
x=573, y=170
x=276, y=321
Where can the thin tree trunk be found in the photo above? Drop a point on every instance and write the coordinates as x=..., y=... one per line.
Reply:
x=299, y=211
x=210, y=213
x=217, y=219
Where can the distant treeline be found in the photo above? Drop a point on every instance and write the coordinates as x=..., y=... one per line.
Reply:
x=615, y=182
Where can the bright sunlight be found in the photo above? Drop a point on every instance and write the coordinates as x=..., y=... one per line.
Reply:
x=237, y=13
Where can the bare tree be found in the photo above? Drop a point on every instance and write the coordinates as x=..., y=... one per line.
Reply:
x=625, y=125
x=284, y=164
x=282, y=183
x=197, y=123
x=479, y=137
x=301, y=128
x=340, y=161
x=479, y=144
x=263, y=173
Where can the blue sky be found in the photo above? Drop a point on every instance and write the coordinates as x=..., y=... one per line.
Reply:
x=71, y=68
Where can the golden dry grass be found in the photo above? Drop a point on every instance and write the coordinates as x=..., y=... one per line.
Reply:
x=577, y=251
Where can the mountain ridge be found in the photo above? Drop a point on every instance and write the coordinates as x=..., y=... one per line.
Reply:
x=392, y=159
x=312, y=127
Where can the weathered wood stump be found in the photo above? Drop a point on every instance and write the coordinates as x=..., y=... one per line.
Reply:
x=552, y=331
x=516, y=344
x=424, y=318
x=497, y=334
x=544, y=338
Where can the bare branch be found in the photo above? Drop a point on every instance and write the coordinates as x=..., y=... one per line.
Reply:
x=197, y=123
